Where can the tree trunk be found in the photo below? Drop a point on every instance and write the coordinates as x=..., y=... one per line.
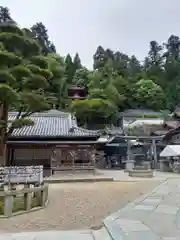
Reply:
x=3, y=131
x=3, y=155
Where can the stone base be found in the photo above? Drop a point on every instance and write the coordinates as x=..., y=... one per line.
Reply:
x=164, y=166
x=129, y=165
x=141, y=173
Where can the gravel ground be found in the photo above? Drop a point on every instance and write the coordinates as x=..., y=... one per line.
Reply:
x=78, y=206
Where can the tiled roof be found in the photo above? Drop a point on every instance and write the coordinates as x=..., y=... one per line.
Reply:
x=114, y=130
x=51, y=124
x=159, y=133
x=172, y=124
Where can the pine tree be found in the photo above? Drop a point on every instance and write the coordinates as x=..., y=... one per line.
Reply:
x=69, y=69
x=77, y=62
x=41, y=34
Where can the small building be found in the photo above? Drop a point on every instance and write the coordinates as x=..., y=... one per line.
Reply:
x=54, y=141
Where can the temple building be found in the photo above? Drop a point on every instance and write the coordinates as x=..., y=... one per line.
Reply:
x=54, y=141
x=171, y=129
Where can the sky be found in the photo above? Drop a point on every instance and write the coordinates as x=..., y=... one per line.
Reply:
x=82, y=25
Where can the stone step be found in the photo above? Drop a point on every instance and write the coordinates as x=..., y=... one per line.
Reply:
x=101, y=234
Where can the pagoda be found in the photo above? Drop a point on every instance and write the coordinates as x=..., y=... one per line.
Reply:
x=77, y=93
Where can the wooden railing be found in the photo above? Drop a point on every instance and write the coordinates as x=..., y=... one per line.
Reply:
x=14, y=201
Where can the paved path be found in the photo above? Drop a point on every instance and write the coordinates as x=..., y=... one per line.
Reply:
x=50, y=235
x=154, y=216
x=120, y=175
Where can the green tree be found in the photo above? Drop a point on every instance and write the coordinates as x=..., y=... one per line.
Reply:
x=24, y=78
x=99, y=58
x=81, y=77
x=95, y=111
x=77, y=62
x=104, y=100
x=4, y=15
x=40, y=33
x=134, y=66
x=121, y=63
x=172, y=71
x=57, y=88
x=149, y=94
x=69, y=69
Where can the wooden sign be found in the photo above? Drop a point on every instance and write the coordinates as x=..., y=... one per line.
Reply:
x=21, y=174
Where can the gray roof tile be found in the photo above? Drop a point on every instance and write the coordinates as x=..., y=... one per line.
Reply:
x=51, y=124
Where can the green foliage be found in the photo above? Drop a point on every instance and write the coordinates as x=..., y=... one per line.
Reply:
x=40, y=61
x=6, y=77
x=8, y=59
x=34, y=101
x=77, y=62
x=149, y=94
x=40, y=34
x=81, y=77
x=11, y=28
x=33, y=77
x=35, y=82
x=24, y=73
x=92, y=109
x=20, y=71
x=19, y=123
x=8, y=94
x=57, y=88
x=18, y=44
x=4, y=15
x=70, y=71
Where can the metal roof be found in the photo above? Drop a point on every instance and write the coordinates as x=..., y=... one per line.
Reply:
x=51, y=124
x=171, y=151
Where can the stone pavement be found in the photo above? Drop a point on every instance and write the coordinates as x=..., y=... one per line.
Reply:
x=154, y=216
x=120, y=175
x=47, y=235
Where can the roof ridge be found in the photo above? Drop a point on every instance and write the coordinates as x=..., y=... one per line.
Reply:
x=47, y=113
x=43, y=115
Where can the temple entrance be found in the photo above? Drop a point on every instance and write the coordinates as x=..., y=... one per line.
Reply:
x=73, y=158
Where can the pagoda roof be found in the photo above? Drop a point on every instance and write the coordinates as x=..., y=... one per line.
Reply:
x=52, y=123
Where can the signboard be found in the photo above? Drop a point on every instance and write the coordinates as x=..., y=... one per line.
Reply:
x=21, y=174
